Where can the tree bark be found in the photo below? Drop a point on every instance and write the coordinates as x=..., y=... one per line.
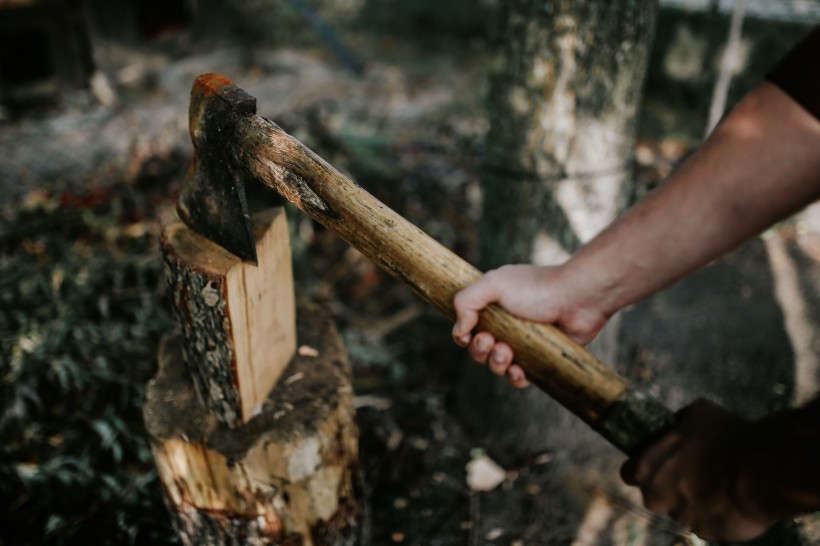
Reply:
x=237, y=319
x=564, y=93
x=287, y=477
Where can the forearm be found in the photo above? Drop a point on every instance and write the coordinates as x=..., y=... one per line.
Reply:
x=759, y=166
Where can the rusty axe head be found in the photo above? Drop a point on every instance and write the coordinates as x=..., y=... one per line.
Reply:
x=212, y=201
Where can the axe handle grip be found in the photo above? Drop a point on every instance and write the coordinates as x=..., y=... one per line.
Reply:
x=552, y=361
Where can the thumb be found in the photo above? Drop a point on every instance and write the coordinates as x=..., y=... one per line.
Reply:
x=467, y=304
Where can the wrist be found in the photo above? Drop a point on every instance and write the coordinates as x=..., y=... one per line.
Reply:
x=592, y=288
x=580, y=313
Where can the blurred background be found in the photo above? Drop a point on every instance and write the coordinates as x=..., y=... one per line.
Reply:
x=94, y=145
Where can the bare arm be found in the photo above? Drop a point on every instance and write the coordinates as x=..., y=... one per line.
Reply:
x=726, y=478
x=759, y=166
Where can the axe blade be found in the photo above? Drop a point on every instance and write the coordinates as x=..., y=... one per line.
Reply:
x=212, y=201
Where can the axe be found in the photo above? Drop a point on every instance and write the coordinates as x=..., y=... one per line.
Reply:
x=234, y=145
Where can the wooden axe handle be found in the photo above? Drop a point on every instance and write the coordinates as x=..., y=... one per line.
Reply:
x=555, y=363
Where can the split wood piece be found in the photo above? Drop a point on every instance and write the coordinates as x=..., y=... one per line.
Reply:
x=287, y=477
x=237, y=319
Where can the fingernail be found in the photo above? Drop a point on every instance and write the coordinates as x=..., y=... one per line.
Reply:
x=497, y=358
x=482, y=345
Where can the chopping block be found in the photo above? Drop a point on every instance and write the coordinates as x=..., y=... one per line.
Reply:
x=254, y=441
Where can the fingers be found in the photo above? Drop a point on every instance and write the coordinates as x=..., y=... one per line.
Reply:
x=499, y=358
x=648, y=463
x=653, y=473
x=483, y=347
x=516, y=377
x=461, y=331
x=480, y=347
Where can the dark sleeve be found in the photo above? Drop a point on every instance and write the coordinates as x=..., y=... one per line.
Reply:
x=798, y=73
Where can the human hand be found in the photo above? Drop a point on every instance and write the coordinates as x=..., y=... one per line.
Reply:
x=692, y=474
x=537, y=293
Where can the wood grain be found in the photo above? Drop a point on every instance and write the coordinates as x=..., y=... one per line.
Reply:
x=286, y=477
x=238, y=320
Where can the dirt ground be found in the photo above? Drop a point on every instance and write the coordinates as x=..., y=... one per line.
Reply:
x=742, y=331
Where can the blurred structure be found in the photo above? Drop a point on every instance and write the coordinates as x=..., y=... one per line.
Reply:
x=793, y=11
x=48, y=47
x=688, y=54
x=44, y=45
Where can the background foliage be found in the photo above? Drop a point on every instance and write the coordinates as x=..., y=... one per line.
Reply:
x=80, y=317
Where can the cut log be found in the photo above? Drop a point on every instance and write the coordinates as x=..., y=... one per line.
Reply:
x=237, y=319
x=287, y=476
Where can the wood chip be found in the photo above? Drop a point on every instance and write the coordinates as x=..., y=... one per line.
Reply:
x=494, y=533
x=544, y=458
x=370, y=401
x=307, y=350
x=420, y=443
x=397, y=537
x=394, y=441
x=294, y=378
x=483, y=474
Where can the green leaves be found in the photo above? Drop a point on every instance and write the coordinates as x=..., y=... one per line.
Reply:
x=80, y=319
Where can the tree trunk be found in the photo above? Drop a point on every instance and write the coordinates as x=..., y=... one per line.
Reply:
x=245, y=458
x=564, y=96
x=287, y=477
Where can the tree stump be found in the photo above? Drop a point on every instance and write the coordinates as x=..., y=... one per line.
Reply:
x=245, y=459
x=237, y=319
x=286, y=477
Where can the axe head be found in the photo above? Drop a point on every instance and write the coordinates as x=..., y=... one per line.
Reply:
x=212, y=201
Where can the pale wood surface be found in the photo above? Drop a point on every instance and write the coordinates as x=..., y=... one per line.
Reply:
x=237, y=319
x=286, y=477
